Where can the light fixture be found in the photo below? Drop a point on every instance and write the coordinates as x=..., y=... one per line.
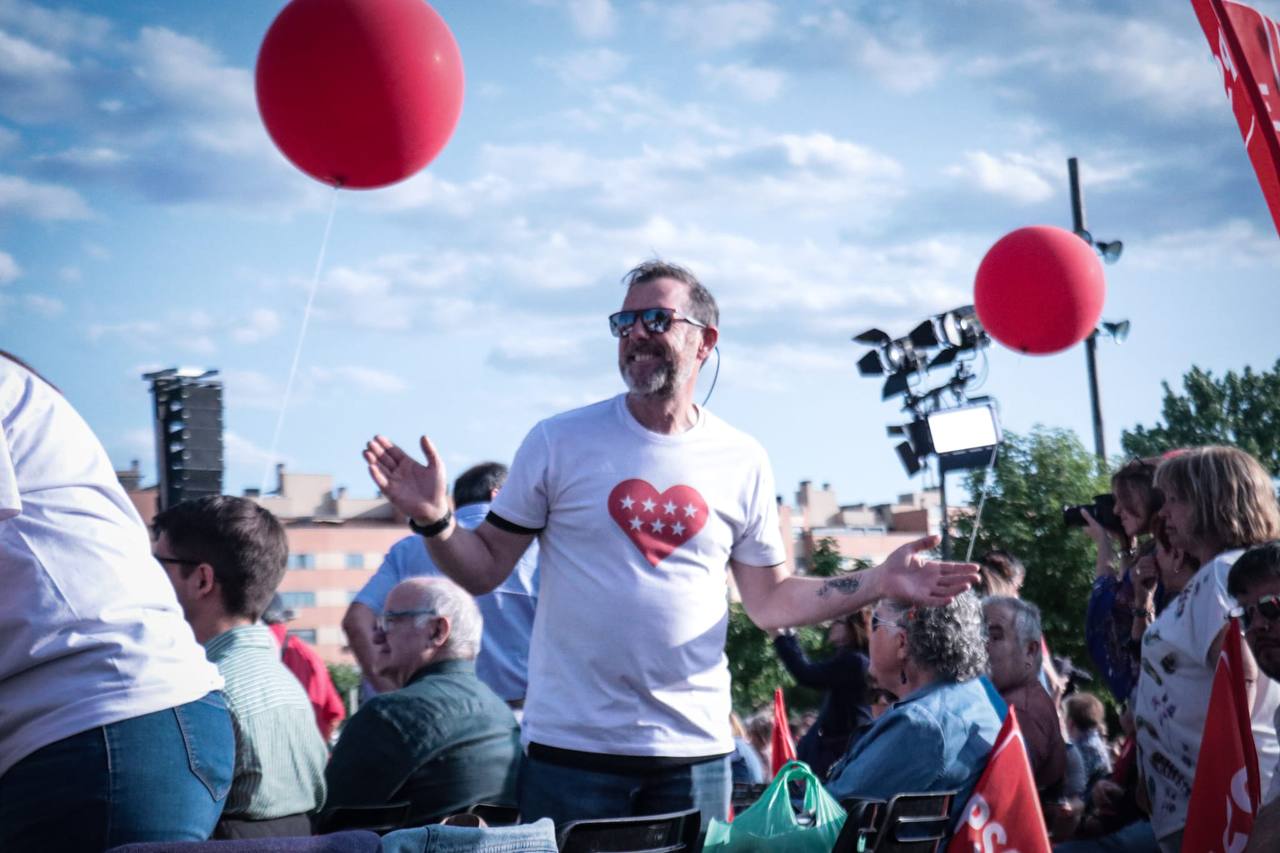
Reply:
x=1110, y=251
x=1117, y=331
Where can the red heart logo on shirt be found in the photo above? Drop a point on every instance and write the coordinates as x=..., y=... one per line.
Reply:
x=657, y=523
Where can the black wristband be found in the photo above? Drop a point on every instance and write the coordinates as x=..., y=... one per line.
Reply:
x=435, y=528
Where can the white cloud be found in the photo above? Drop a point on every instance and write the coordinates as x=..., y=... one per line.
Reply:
x=44, y=306
x=1035, y=176
x=1236, y=244
x=747, y=81
x=357, y=378
x=21, y=58
x=1010, y=176
x=9, y=269
x=70, y=274
x=241, y=452
x=895, y=54
x=593, y=19
x=597, y=65
x=58, y=28
x=40, y=201
x=719, y=24
x=261, y=323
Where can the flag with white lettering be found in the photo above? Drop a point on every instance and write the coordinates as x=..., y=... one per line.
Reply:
x=1003, y=814
x=1225, y=793
x=1246, y=45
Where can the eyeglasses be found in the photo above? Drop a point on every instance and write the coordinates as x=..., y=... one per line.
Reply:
x=656, y=321
x=876, y=622
x=1268, y=607
x=390, y=617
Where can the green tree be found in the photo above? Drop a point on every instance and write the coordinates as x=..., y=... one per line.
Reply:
x=1241, y=409
x=345, y=678
x=754, y=667
x=1035, y=477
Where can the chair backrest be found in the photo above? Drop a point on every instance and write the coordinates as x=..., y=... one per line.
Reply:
x=380, y=819
x=664, y=833
x=862, y=817
x=495, y=814
x=914, y=823
x=745, y=794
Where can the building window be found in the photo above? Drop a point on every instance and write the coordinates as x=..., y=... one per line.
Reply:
x=355, y=561
x=302, y=561
x=298, y=600
x=307, y=635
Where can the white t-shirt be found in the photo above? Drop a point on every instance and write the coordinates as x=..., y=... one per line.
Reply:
x=90, y=628
x=1171, y=699
x=638, y=528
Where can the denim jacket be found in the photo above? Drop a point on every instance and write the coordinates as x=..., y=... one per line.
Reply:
x=936, y=739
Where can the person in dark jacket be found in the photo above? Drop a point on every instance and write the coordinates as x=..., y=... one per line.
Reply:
x=846, y=707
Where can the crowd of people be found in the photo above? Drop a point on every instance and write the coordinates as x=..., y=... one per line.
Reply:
x=551, y=638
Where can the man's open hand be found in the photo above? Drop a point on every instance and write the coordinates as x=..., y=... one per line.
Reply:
x=419, y=491
x=907, y=575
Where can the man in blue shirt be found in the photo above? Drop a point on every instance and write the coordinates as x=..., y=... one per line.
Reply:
x=508, y=611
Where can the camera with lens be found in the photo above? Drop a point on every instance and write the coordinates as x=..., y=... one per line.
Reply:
x=1103, y=510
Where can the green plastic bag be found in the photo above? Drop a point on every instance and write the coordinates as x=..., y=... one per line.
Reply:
x=770, y=823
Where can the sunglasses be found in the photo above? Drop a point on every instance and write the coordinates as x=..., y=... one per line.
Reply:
x=656, y=321
x=876, y=622
x=1268, y=607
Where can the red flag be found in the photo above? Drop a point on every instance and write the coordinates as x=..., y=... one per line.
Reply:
x=1003, y=814
x=1247, y=47
x=781, y=749
x=1225, y=793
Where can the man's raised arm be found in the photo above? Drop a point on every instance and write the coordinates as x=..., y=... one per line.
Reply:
x=477, y=560
x=775, y=598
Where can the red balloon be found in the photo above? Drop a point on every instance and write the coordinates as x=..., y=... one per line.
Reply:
x=1039, y=290
x=359, y=93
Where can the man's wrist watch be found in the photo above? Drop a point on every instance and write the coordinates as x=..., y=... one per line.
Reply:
x=435, y=528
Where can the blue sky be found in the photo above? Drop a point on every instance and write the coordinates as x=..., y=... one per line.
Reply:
x=823, y=166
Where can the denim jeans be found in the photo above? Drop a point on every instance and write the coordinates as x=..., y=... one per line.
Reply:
x=568, y=793
x=539, y=837
x=159, y=777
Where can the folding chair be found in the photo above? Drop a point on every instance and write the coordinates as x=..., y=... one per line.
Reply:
x=380, y=819
x=664, y=833
x=745, y=794
x=495, y=814
x=908, y=823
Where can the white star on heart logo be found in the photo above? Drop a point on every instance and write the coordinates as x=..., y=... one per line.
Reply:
x=657, y=523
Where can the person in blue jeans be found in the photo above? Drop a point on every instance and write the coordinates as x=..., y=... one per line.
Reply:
x=112, y=729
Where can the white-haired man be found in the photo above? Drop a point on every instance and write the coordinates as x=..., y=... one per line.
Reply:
x=443, y=741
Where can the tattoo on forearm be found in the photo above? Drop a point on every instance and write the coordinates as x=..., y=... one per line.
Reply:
x=845, y=586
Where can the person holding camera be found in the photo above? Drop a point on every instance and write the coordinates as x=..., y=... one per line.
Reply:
x=1217, y=502
x=1121, y=606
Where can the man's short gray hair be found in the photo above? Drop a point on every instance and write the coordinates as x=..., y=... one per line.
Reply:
x=702, y=305
x=446, y=598
x=948, y=640
x=1025, y=617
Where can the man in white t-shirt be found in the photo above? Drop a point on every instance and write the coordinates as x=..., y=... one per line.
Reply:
x=1254, y=582
x=639, y=504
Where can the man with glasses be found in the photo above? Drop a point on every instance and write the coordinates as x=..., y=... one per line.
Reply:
x=639, y=504
x=508, y=611
x=443, y=741
x=225, y=557
x=1254, y=582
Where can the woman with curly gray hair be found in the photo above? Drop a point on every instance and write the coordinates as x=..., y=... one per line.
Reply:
x=938, y=735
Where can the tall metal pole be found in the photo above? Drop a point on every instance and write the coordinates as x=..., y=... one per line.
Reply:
x=1091, y=359
x=1091, y=342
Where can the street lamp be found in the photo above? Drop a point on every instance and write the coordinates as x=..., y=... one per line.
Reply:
x=1110, y=252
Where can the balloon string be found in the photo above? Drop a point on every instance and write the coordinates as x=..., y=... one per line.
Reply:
x=302, y=336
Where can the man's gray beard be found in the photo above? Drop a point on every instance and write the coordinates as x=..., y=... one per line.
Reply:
x=661, y=383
